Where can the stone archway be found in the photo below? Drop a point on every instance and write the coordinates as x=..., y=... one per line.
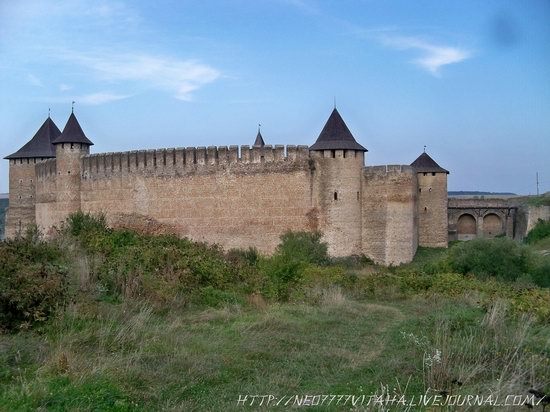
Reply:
x=492, y=225
x=466, y=227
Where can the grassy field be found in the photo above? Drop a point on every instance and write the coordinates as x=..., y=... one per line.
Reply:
x=105, y=356
x=390, y=331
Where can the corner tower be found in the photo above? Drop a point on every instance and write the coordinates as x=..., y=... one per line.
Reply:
x=70, y=146
x=337, y=165
x=22, y=177
x=432, y=202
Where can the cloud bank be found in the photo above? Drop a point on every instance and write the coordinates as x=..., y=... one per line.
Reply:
x=434, y=56
x=175, y=76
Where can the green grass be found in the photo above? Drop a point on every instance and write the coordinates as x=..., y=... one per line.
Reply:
x=104, y=356
x=542, y=245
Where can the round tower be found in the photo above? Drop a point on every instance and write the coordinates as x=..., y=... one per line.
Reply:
x=22, y=177
x=338, y=164
x=433, y=223
x=70, y=146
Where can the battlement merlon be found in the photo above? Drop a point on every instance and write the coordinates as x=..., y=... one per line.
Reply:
x=382, y=170
x=179, y=159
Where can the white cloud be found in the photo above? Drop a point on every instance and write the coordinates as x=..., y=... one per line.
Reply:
x=87, y=99
x=434, y=56
x=179, y=77
x=35, y=81
x=99, y=98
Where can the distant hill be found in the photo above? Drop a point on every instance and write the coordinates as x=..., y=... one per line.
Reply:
x=475, y=193
x=3, y=206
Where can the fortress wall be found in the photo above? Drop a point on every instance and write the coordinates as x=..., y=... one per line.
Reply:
x=389, y=214
x=433, y=209
x=217, y=195
x=179, y=161
x=534, y=213
x=22, y=187
x=46, y=194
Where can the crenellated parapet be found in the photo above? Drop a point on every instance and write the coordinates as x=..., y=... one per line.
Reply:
x=384, y=170
x=46, y=170
x=179, y=161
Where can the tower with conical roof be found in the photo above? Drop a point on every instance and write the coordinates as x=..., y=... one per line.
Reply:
x=259, y=142
x=432, y=202
x=70, y=146
x=22, y=177
x=338, y=164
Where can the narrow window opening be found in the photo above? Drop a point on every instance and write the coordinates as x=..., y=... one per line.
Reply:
x=430, y=189
x=344, y=154
x=63, y=145
x=433, y=173
x=335, y=195
x=262, y=159
x=425, y=209
x=425, y=174
x=357, y=195
x=419, y=190
x=333, y=153
x=68, y=172
x=72, y=145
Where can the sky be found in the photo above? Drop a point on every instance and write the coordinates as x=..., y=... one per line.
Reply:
x=470, y=79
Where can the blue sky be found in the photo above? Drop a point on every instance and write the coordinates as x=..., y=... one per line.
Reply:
x=469, y=79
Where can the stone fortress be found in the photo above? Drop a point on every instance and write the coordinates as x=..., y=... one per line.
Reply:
x=236, y=197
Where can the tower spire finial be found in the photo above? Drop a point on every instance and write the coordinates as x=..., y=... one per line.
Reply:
x=424, y=148
x=49, y=112
x=334, y=102
x=259, y=127
x=72, y=106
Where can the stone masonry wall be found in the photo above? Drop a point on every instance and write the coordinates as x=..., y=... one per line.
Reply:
x=21, y=210
x=432, y=210
x=207, y=194
x=46, y=195
x=389, y=214
x=337, y=193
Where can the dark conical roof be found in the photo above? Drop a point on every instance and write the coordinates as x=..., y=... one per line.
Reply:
x=336, y=135
x=41, y=143
x=259, y=142
x=424, y=163
x=72, y=133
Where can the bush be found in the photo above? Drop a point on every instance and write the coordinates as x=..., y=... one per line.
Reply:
x=33, y=281
x=500, y=258
x=285, y=269
x=303, y=247
x=81, y=223
x=540, y=231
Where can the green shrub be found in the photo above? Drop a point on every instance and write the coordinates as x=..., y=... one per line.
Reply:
x=81, y=223
x=540, y=231
x=500, y=258
x=303, y=247
x=33, y=280
x=285, y=276
x=240, y=257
